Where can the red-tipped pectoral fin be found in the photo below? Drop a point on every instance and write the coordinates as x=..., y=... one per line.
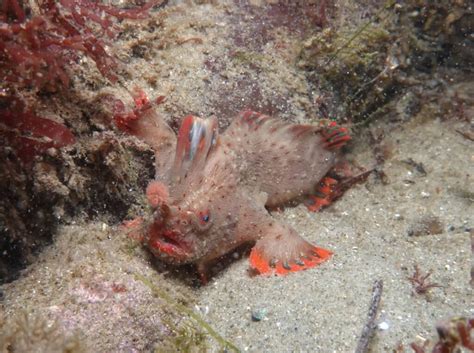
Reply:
x=283, y=251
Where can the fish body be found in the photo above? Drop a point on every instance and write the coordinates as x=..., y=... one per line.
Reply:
x=215, y=195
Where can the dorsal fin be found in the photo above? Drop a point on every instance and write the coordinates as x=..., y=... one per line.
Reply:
x=268, y=129
x=196, y=139
x=334, y=135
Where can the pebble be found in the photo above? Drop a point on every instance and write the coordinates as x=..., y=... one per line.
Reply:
x=259, y=314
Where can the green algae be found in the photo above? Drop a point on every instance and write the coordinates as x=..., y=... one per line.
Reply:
x=190, y=335
x=185, y=339
x=248, y=58
x=353, y=66
x=358, y=34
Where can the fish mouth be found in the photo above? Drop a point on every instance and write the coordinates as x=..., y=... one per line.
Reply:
x=169, y=243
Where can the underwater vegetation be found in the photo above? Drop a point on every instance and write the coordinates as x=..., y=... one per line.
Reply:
x=37, y=49
x=189, y=336
x=39, y=43
x=420, y=282
x=359, y=68
x=42, y=43
x=454, y=335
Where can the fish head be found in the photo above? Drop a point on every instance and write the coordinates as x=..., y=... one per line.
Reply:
x=193, y=203
x=185, y=226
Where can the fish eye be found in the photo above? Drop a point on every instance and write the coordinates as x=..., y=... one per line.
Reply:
x=204, y=217
x=202, y=220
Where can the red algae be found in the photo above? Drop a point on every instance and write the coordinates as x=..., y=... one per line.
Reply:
x=42, y=134
x=36, y=52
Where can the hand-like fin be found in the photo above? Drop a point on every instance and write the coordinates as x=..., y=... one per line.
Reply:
x=331, y=187
x=326, y=191
x=283, y=251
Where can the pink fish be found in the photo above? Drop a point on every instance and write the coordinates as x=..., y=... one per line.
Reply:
x=214, y=195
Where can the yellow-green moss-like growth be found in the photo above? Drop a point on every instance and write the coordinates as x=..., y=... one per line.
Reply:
x=28, y=332
x=188, y=337
x=352, y=64
x=359, y=66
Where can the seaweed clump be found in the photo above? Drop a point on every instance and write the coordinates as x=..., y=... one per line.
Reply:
x=357, y=67
x=453, y=336
x=36, y=50
x=38, y=46
x=345, y=61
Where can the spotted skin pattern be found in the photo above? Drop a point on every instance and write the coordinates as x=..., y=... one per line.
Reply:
x=215, y=194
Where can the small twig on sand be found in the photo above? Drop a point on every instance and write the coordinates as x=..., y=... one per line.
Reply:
x=466, y=134
x=366, y=334
x=472, y=257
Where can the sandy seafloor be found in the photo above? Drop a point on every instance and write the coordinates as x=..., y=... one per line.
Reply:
x=324, y=309
x=87, y=282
